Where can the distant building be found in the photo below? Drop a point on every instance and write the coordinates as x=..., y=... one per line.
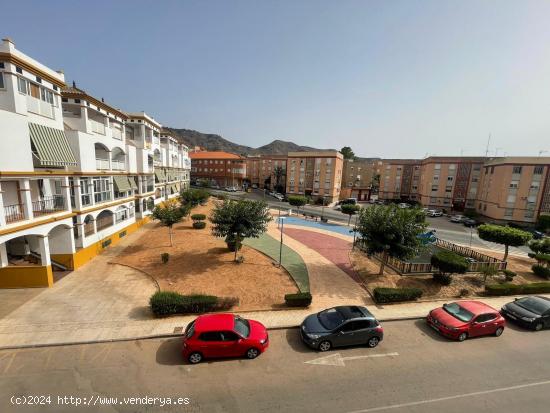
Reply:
x=218, y=168
x=358, y=179
x=267, y=171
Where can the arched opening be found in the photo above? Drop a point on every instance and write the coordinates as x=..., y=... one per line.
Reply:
x=61, y=250
x=104, y=220
x=121, y=214
x=118, y=159
x=150, y=161
x=23, y=250
x=89, y=228
x=101, y=156
x=150, y=204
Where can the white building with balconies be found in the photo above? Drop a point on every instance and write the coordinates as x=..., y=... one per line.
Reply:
x=76, y=174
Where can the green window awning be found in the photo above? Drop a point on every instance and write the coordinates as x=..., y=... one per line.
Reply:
x=50, y=146
x=121, y=183
x=132, y=182
x=159, y=173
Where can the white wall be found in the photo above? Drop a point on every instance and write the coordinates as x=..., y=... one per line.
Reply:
x=15, y=143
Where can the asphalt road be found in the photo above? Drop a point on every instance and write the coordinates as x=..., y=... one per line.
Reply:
x=412, y=370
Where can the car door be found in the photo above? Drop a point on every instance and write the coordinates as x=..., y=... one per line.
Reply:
x=211, y=344
x=363, y=330
x=546, y=319
x=345, y=336
x=481, y=326
x=232, y=346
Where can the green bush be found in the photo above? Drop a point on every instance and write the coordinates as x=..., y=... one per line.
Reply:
x=517, y=289
x=448, y=262
x=198, y=217
x=164, y=257
x=543, y=223
x=443, y=279
x=232, y=244
x=541, y=271
x=169, y=302
x=391, y=295
x=509, y=274
x=298, y=300
x=199, y=224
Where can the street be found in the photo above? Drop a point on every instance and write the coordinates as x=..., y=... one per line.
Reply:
x=412, y=370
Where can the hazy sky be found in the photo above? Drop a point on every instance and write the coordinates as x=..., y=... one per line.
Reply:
x=388, y=78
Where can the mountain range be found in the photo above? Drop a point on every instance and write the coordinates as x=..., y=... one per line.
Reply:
x=213, y=142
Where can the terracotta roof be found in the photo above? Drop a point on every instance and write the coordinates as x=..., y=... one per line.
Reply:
x=213, y=155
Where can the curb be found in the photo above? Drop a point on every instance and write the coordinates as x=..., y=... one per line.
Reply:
x=155, y=336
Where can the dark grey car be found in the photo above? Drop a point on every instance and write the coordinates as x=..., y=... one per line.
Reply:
x=341, y=326
x=530, y=312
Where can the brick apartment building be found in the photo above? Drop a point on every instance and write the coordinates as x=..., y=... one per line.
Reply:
x=267, y=172
x=358, y=178
x=218, y=168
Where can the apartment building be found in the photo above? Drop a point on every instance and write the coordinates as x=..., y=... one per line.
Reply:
x=399, y=179
x=358, y=179
x=315, y=174
x=267, y=171
x=218, y=168
x=76, y=174
x=514, y=189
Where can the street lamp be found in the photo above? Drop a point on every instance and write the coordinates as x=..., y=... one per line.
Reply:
x=323, y=209
x=282, y=221
x=354, y=232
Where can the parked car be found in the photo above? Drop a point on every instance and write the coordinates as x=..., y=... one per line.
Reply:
x=435, y=213
x=341, y=326
x=536, y=234
x=457, y=218
x=223, y=335
x=531, y=312
x=463, y=319
x=279, y=196
x=469, y=222
x=403, y=205
x=231, y=189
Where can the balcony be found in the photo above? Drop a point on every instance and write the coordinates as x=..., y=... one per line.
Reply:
x=102, y=164
x=48, y=205
x=97, y=127
x=13, y=213
x=117, y=165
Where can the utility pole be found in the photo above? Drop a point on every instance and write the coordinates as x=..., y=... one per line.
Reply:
x=487, y=148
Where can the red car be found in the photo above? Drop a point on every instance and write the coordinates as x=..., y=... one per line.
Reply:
x=223, y=335
x=464, y=319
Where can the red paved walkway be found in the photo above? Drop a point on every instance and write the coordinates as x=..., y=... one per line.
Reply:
x=336, y=250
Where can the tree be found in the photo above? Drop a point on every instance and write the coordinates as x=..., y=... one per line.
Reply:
x=350, y=209
x=169, y=212
x=347, y=152
x=279, y=173
x=297, y=201
x=194, y=197
x=543, y=223
x=447, y=264
x=237, y=220
x=540, y=246
x=507, y=236
x=391, y=231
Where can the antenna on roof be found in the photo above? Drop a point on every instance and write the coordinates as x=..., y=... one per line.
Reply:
x=74, y=84
x=103, y=100
x=487, y=148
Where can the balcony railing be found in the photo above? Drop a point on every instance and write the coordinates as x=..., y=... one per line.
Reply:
x=13, y=213
x=48, y=205
x=117, y=165
x=97, y=127
x=101, y=163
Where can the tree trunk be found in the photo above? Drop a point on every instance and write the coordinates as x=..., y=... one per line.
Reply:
x=170, y=233
x=383, y=262
x=505, y=252
x=349, y=220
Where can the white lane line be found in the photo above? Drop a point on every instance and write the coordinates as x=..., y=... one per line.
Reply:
x=457, y=396
x=337, y=360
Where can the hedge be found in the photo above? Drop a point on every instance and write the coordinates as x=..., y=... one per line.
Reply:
x=169, y=302
x=199, y=224
x=198, y=217
x=392, y=295
x=541, y=271
x=298, y=300
x=517, y=289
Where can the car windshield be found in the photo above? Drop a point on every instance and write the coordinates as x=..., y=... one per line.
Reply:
x=458, y=312
x=242, y=327
x=535, y=306
x=190, y=330
x=331, y=318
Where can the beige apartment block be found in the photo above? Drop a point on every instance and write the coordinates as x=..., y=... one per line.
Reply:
x=399, y=179
x=514, y=189
x=267, y=171
x=358, y=178
x=315, y=174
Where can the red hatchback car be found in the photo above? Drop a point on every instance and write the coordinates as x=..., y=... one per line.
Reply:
x=223, y=335
x=464, y=319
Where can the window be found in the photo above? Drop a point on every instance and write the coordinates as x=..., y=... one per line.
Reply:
x=85, y=191
x=121, y=215
x=348, y=327
x=2, y=81
x=538, y=170
x=1, y=65
x=229, y=336
x=517, y=170
x=362, y=324
x=514, y=184
x=437, y=166
x=102, y=192
x=22, y=85
x=483, y=318
x=508, y=212
x=18, y=70
x=211, y=336
x=450, y=178
x=511, y=199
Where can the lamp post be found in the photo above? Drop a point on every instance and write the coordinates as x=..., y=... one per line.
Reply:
x=282, y=221
x=471, y=236
x=354, y=232
x=323, y=209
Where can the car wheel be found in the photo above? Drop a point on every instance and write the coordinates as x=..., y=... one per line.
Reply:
x=252, y=353
x=195, y=358
x=462, y=336
x=538, y=326
x=373, y=342
x=499, y=331
x=324, y=346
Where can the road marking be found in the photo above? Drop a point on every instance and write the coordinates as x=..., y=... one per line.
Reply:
x=457, y=396
x=337, y=360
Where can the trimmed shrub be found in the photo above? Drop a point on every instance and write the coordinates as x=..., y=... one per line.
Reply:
x=541, y=271
x=517, y=289
x=198, y=217
x=392, y=295
x=298, y=300
x=543, y=223
x=199, y=224
x=509, y=275
x=164, y=257
x=169, y=302
x=443, y=279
